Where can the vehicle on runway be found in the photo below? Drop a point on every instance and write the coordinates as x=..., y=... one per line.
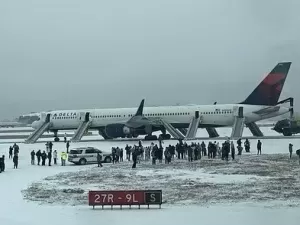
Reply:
x=287, y=127
x=87, y=155
x=179, y=121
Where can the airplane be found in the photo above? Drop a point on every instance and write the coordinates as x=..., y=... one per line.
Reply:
x=11, y=124
x=261, y=104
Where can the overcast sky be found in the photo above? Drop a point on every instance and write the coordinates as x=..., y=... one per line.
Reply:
x=72, y=54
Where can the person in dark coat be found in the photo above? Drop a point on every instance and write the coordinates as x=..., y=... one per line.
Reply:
x=190, y=154
x=247, y=145
x=232, y=150
x=240, y=149
x=2, y=164
x=32, y=154
x=10, y=156
x=153, y=154
x=38, y=156
x=298, y=153
x=44, y=157
x=290, y=150
x=99, y=159
x=134, y=157
x=50, y=145
x=259, y=147
x=50, y=157
x=121, y=155
x=16, y=161
x=127, y=149
x=16, y=149
x=68, y=146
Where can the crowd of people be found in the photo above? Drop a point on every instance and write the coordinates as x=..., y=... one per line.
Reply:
x=182, y=150
x=13, y=154
x=49, y=154
x=154, y=153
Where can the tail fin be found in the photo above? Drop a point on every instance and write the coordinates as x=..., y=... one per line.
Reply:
x=139, y=112
x=269, y=90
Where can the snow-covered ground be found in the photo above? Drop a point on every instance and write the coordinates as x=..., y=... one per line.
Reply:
x=212, y=204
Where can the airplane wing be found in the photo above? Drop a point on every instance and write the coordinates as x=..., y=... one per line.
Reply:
x=138, y=119
x=267, y=110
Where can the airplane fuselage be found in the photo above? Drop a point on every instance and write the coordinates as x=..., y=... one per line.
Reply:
x=177, y=116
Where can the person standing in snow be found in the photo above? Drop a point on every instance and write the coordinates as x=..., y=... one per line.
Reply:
x=99, y=159
x=16, y=160
x=290, y=150
x=55, y=157
x=50, y=157
x=259, y=147
x=135, y=154
x=32, y=154
x=247, y=145
x=190, y=154
x=128, y=151
x=38, y=156
x=121, y=155
x=68, y=146
x=16, y=149
x=63, y=158
x=44, y=157
x=10, y=152
x=2, y=164
x=298, y=153
x=232, y=150
x=50, y=146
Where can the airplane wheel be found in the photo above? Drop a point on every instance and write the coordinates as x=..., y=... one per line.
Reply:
x=56, y=139
x=167, y=136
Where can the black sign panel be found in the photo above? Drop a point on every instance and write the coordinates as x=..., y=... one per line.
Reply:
x=153, y=197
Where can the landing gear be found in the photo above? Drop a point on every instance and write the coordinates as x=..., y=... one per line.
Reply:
x=56, y=138
x=150, y=137
x=165, y=136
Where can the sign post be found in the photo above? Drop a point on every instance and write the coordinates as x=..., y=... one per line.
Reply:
x=138, y=197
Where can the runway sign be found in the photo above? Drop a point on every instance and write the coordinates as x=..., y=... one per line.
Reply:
x=132, y=197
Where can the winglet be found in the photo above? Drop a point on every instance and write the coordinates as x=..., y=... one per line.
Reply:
x=139, y=112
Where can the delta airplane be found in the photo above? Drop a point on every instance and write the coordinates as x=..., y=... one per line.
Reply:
x=261, y=104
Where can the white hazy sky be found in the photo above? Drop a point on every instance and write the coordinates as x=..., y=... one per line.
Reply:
x=64, y=54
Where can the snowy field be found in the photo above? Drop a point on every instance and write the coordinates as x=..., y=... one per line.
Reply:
x=251, y=190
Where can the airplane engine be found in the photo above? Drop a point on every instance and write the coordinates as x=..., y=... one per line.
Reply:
x=117, y=130
x=126, y=130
